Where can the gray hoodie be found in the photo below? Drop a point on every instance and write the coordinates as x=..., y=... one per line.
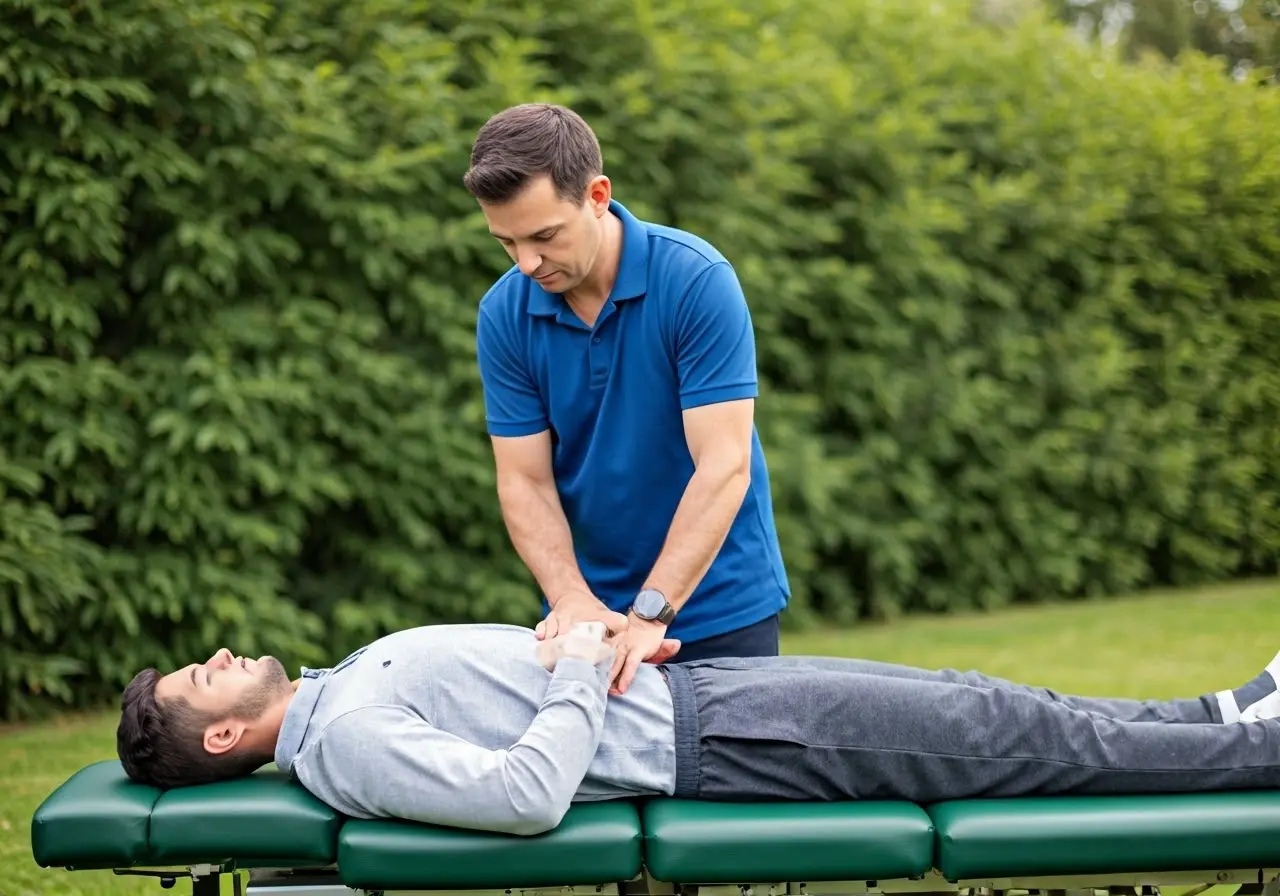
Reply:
x=460, y=725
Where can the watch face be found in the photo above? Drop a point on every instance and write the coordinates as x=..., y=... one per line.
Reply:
x=649, y=604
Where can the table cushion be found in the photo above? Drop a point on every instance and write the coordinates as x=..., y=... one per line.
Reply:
x=261, y=819
x=595, y=843
x=98, y=818
x=702, y=842
x=1111, y=834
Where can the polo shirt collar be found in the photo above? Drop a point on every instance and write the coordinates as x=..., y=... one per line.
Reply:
x=632, y=279
x=297, y=718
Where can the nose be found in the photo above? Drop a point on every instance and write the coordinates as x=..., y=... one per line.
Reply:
x=527, y=261
x=222, y=658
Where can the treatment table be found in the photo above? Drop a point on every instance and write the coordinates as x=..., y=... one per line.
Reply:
x=271, y=837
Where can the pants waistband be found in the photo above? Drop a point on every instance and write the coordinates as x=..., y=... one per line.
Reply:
x=680, y=681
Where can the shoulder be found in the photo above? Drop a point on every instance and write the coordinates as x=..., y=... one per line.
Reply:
x=336, y=765
x=502, y=311
x=689, y=276
x=335, y=748
x=693, y=280
x=680, y=259
x=508, y=294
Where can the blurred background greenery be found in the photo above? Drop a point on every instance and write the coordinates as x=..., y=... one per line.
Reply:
x=1012, y=266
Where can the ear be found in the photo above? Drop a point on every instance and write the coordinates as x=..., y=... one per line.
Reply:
x=599, y=192
x=221, y=737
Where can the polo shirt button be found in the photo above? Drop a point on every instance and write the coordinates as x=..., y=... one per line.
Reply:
x=596, y=339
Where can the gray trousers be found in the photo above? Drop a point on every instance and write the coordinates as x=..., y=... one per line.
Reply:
x=819, y=728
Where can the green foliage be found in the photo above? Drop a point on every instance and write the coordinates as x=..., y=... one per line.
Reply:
x=1048, y=317
x=1243, y=34
x=1016, y=307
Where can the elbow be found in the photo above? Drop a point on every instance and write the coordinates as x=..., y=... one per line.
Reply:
x=729, y=484
x=535, y=805
x=732, y=472
x=516, y=493
x=539, y=819
x=516, y=486
x=728, y=463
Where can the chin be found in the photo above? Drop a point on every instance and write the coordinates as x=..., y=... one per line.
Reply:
x=274, y=675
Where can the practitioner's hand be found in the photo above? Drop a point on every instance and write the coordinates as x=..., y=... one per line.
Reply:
x=593, y=649
x=575, y=607
x=642, y=642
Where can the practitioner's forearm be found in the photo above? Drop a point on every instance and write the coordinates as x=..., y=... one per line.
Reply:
x=540, y=534
x=698, y=530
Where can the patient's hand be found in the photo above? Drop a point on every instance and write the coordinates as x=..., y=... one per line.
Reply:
x=582, y=645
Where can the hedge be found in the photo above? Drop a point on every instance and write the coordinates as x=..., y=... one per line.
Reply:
x=1016, y=307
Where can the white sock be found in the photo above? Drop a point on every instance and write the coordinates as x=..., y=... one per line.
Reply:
x=1259, y=699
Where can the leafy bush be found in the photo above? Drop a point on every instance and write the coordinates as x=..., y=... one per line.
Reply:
x=1016, y=308
x=1043, y=325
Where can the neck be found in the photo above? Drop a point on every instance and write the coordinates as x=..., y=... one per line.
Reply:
x=592, y=292
x=266, y=730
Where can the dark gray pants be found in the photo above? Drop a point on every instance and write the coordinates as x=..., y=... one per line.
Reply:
x=820, y=728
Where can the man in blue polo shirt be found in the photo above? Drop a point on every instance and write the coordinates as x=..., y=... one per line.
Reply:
x=618, y=364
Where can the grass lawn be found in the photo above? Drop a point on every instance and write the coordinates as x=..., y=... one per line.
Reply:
x=1155, y=645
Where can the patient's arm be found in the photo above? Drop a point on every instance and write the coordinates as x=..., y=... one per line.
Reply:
x=388, y=762
x=551, y=650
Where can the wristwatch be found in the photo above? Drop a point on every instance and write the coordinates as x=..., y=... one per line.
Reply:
x=651, y=605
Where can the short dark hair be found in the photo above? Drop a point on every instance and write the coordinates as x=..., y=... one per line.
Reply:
x=531, y=140
x=162, y=743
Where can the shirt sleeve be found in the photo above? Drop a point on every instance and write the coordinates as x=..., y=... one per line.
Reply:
x=714, y=340
x=512, y=405
x=388, y=762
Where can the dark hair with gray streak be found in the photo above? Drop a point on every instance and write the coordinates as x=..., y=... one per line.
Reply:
x=528, y=141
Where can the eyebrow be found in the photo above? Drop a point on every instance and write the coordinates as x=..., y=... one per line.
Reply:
x=544, y=232
x=193, y=676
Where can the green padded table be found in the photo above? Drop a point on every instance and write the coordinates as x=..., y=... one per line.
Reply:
x=595, y=843
x=1112, y=834
x=290, y=844
x=694, y=842
x=99, y=819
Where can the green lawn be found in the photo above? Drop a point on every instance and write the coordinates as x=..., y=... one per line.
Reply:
x=1157, y=645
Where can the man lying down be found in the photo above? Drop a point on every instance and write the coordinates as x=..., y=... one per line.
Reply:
x=486, y=727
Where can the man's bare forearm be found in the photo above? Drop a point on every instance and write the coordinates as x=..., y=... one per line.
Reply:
x=698, y=529
x=540, y=534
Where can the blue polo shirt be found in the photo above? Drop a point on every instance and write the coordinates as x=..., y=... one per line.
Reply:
x=675, y=334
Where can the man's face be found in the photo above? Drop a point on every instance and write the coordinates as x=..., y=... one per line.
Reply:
x=552, y=240
x=233, y=691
